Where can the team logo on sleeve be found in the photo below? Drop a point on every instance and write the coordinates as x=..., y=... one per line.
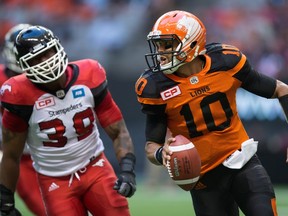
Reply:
x=46, y=102
x=170, y=93
x=4, y=88
x=78, y=93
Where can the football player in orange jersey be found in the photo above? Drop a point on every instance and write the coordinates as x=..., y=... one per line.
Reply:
x=190, y=88
x=27, y=186
x=54, y=107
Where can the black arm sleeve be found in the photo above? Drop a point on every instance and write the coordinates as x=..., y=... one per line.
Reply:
x=284, y=104
x=100, y=92
x=156, y=127
x=255, y=82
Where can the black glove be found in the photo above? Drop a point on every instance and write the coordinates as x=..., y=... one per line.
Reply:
x=7, y=203
x=126, y=183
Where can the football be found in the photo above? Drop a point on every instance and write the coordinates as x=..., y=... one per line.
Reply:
x=185, y=164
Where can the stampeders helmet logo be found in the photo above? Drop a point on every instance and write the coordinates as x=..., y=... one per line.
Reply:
x=37, y=47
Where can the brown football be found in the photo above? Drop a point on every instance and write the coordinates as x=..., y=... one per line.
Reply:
x=185, y=164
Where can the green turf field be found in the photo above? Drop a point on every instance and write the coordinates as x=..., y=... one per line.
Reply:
x=171, y=201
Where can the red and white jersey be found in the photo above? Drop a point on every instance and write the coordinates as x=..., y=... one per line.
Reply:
x=4, y=77
x=62, y=130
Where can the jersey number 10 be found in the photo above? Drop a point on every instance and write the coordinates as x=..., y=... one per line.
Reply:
x=207, y=114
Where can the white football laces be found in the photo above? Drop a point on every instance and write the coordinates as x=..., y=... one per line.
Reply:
x=169, y=169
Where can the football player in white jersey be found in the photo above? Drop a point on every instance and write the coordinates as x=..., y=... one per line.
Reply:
x=27, y=185
x=54, y=107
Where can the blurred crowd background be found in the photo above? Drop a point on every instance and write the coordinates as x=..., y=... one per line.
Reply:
x=114, y=32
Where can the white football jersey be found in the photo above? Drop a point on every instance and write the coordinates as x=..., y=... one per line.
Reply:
x=62, y=132
x=62, y=125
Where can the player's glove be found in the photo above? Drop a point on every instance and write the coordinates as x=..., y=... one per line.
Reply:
x=7, y=203
x=126, y=183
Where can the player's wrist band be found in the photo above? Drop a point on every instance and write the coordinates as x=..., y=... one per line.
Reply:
x=284, y=103
x=127, y=163
x=7, y=202
x=158, y=155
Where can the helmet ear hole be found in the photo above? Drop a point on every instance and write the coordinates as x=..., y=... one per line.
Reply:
x=193, y=44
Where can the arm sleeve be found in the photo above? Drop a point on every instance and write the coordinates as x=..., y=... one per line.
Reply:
x=284, y=104
x=107, y=111
x=156, y=127
x=13, y=122
x=156, y=122
x=255, y=82
x=260, y=84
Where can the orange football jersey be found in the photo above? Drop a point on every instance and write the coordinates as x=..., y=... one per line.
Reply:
x=201, y=107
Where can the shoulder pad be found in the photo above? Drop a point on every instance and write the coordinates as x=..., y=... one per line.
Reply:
x=17, y=101
x=223, y=57
x=151, y=84
x=91, y=72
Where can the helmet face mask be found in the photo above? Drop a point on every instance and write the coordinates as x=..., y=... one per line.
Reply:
x=50, y=69
x=153, y=59
x=9, y=50
x=46, y=50
x=179, y=26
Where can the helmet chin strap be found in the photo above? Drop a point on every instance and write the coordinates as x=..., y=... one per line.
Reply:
x=173, y=69
x=196, y=51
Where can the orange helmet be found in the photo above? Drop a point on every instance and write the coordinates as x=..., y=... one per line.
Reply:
x=183, y=27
